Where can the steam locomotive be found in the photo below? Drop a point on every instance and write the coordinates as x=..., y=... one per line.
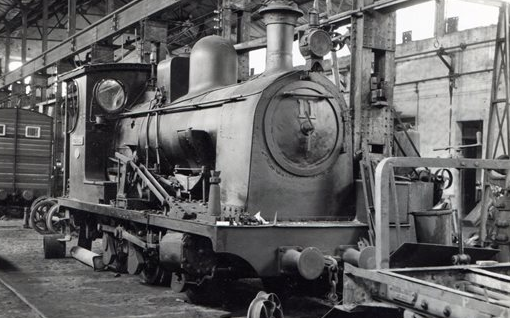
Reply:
x=190, y=177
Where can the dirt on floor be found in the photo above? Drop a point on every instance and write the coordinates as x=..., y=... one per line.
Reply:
x=68, y=288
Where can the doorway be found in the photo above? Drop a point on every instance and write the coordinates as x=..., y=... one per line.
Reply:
x=471, y=179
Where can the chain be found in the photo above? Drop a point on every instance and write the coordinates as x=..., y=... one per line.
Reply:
x=333, y=278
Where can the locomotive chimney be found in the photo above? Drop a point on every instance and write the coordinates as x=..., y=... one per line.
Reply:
x=280, y=17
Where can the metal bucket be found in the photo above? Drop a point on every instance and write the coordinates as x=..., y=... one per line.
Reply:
x=433, y=226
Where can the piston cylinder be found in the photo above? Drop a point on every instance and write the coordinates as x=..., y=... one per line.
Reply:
x=309, y=263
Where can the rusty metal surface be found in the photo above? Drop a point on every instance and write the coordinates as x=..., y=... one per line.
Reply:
x=451, y=291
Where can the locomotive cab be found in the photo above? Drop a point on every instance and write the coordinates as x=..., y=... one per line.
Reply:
x=100, y=93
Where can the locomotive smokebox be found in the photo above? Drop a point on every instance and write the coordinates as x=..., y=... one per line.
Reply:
x=213, y=63
x=280, y=17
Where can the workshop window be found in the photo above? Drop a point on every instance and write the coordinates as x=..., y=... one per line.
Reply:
x=2, y=130
x=33, y=132
x=417, y=19
x=467, y=15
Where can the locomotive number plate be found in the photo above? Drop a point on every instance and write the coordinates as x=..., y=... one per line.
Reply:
x=77, y=141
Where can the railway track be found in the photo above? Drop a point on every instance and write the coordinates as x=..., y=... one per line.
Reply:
x=15, y=305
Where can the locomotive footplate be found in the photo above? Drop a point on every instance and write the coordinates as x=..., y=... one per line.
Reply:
x=329, y=237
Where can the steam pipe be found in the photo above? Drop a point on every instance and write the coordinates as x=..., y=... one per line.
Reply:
x=280, y=17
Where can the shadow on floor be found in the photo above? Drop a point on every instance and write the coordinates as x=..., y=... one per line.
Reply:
x=7, y=266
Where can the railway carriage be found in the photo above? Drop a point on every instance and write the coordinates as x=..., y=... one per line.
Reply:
x=25, y=157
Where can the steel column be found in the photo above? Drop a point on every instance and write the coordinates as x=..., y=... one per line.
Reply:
x=499, y=110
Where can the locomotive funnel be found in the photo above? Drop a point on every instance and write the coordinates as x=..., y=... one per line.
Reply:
x=280, y=17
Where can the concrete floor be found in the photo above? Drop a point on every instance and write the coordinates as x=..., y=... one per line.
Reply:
x=67, y=288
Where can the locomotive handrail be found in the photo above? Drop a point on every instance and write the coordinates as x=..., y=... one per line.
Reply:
x=383, y=199
x=309, y=95
x=173, y=108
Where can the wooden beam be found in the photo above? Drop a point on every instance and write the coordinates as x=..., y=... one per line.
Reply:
x=440, y=23
x=24, y=34
x=492, y=3
x=226, y=21
x=108, y=26
x=110, y=6
x=340, y=19
x=7, y=51
x=29, y=38
x=251, y=45
x=71, y=17
x=45, y=18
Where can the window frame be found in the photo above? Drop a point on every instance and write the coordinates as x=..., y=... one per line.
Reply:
x=33, y=136
x=103, y=107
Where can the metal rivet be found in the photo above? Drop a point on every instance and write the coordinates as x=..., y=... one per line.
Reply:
x=447, y=311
